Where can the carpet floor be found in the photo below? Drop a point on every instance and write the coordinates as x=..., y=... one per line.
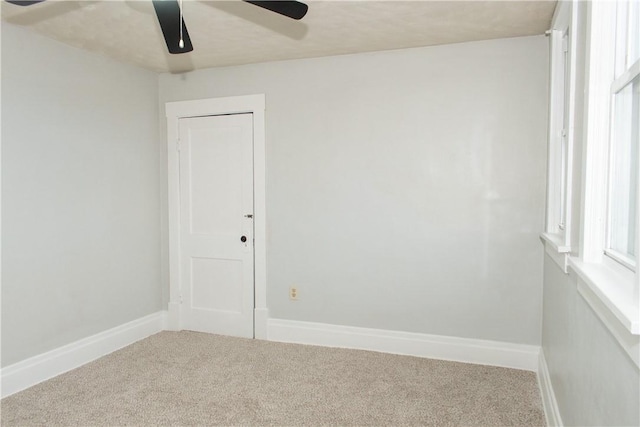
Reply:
x=189, y=378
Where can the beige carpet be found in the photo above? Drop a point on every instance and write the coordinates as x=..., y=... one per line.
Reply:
x=188, y=378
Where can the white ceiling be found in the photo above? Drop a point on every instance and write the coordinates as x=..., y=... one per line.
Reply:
x=234, y=32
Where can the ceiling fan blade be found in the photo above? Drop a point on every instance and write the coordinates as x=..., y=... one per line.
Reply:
x=24, y=2
x=291, y=9
x=168, y=12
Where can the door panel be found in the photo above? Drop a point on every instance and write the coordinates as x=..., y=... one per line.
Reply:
x=205, y=274
x=216, y=194
x=215, y=170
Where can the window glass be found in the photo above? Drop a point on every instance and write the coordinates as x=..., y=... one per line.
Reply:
x=623, y=186
x=627, y=35
x=563, y=134
x=633, y=33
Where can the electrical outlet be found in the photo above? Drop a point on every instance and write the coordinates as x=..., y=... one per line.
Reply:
x=293, y=293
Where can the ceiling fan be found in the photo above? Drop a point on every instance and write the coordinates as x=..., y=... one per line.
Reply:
x=174, y=30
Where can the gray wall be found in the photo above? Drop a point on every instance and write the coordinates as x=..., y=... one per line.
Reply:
x=595, y=381
x=405, y=189
x=80, y=208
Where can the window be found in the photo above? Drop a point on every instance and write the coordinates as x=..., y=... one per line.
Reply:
x=557, y=233
x=622, y=212
x=562, y=137
x=608, y=277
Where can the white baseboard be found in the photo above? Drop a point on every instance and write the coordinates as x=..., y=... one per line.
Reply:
x=34, y=370
x=549, y=403
x=494, y=353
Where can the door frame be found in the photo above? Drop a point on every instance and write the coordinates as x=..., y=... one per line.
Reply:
x=254, y=104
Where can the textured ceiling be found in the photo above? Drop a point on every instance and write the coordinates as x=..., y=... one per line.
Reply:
x=234, y=32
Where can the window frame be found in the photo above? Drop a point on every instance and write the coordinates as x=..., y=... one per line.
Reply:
x=611, y=289
x=560, y=138
x=619, y=83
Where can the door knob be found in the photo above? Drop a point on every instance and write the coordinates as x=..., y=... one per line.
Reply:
x=243, y=239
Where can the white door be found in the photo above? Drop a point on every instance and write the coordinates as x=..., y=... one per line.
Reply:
x=216, y=224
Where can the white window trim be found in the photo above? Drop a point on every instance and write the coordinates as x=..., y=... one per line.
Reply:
x=606, y=287
x=611, y=285
x=610, y=289
x=557, y=240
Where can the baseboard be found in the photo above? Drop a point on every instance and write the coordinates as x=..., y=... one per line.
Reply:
x=34, y=370
x=549, y=403
x=494, y=353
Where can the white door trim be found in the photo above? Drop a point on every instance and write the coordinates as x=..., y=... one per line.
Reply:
x=254, y=104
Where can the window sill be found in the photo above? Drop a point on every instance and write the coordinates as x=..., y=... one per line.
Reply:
x=610, y=293
x=556, y=248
